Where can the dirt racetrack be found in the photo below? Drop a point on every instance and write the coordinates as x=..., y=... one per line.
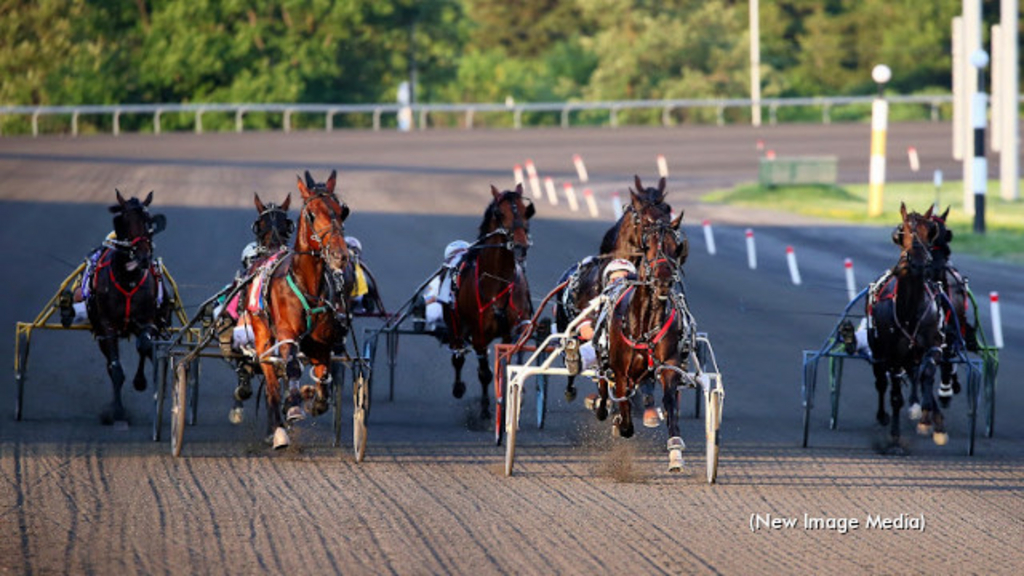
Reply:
x=431, y=497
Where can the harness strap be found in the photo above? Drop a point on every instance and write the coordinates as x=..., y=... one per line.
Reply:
x=646, y=346
x=310, y=312
x=128, y=294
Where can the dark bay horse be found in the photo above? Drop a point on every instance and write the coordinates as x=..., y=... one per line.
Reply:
x=273, y=230
x=625, y=239
x=905, y=329
x=493, y=297
x=650, y=335
x=303, y=310
x=125, y=299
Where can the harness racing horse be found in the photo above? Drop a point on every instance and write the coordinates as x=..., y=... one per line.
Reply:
x=125, y=296
x=302, y=308
x=493, y=296
x=650, y=335
x=905, y=329
x=273, y=230
x=624, y=239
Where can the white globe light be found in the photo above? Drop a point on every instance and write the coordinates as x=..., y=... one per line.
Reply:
x=979, y=59
x=881, y=74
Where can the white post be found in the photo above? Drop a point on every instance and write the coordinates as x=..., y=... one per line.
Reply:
x=958, y=87
x=517, y=173
x=879, y=125
x=709, y=237
x=755, y=64
x=616, y=205
x=581, y=168
x=851, y=285
x=1009, y=157
x=794, y=272
x=915, y=161
x=995, y=100
x=531, y=173
x=997, y=320
x=591, y=203
x=751, y=250
x=662, y=166
x=570, y=194
x=979, y=163
x=971, y=43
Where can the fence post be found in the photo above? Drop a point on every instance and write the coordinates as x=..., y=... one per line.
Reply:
x=199, y=121
x=35, y=123
x=565, y=117
x=156, y=121
x=117, y=121
x=74, y=123
x=239, y=126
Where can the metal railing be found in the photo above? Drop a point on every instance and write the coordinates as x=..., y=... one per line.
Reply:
x=422, y=112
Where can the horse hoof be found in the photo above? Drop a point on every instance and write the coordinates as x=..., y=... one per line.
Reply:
x=295, y=414
x=319, y=407
x=236, y=415
x=895, y=449
x=651, y=418
x=280, y=439
x=940, y=438
x=924, y=429
x=914, y=412
x=570, y=394
x=590, y=402
x=675, y=461
x=883, y=419
x=139, y=384
x=458, y=389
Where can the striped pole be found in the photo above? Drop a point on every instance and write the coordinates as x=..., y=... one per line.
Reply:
x=581, y=168
x=616, y=205
x=794, y=272
x=997, y=320
x=531, y=174
x=588, y=195
x=851, y=285
x=751, y=250
x=709, y=237
x=662, y=166
x=879, y=124
x=517, y=173
x=570, y=194
x=979, y=166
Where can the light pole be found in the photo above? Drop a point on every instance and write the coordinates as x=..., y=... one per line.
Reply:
x=879, y=124
x=979, y=166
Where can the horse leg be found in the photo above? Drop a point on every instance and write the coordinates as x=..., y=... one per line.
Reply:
x=916, y=410
x=896, y=402
x=486, y=377
x=459, y=387
x=600, y=404
x=669, y=398
x=322, y=393
x=570, y=389
x=144, y=346
x=927, y=378
x=114, y=412
x=946, y=385
x=243, y=391
x=293, y=372
x=881, y=383
x=623, y=421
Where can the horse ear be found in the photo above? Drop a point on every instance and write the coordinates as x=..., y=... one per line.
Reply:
x=332, y=180
x=637, y=201
x=519, y=188
x=678, y=220
x=903, y=210
x=120, y=199
x=310, y=183
x=260, y=207
x=945, y=214
x=302, y=186
x=149, y=199
x=344, y=211
x=494, y=192
x=928, y=213
x=638, y=183
x=661, y=189
x=287, y=202
x=530, y=210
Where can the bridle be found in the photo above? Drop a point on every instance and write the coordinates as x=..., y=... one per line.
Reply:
x=336, y=227
x=518, y=223
x=266, y=223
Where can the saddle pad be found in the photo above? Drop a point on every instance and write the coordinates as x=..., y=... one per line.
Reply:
x=255, y=300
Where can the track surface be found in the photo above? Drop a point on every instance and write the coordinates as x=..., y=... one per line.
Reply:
x=76, y=497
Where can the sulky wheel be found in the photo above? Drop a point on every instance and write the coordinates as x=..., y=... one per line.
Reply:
x=712, y=426
x=360, y=397
x=19, y=375
x=179, y=407
x=512, y=406
x=159, y=394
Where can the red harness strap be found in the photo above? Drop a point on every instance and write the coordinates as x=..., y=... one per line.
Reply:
x=646, y=347
x=481, y=307
x=105, y=263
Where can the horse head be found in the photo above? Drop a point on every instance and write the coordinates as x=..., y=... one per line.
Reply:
x=134, y=228
x=647, y=209
x=916, y=235
x=508, y=216
x=322, y=222
x=273, y=228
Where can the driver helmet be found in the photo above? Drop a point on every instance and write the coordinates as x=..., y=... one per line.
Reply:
x=617, y=265
x=250, y=252
x=354, y=244
x=456, y=248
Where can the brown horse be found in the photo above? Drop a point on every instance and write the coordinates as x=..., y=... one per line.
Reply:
x=650, y=335
x=493, y=298
x=905, y=329
x=124, y=299
x=302, y=309
x=647, y=210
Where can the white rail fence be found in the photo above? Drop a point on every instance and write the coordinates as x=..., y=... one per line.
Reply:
x=423, y=111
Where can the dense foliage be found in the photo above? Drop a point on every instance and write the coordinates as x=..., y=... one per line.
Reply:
x=56, y=52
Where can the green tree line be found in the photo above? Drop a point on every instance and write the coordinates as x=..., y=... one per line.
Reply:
x=65, y=52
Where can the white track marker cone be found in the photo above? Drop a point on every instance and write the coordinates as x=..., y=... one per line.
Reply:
x=851, y=284
x=915, y=162
x=517, y=173
x=581, y=168
x=570, y=194
x=662, y=166
x=709, y=237
x=591, y=203
x=531, y=175
x=751, y=250
x=616, y=205
x=794, y=272
x=997, y=320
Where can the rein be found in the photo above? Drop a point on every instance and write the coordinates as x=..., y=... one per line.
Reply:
x=106, y=262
